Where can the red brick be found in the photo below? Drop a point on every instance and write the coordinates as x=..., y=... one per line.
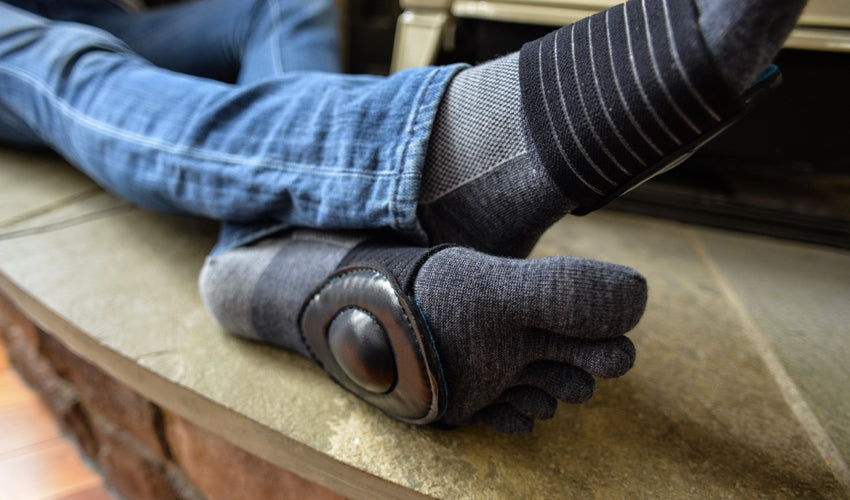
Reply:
x=105, y=396
x=223, y=471
x=134, y=471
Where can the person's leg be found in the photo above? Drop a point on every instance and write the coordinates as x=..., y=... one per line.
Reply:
x=307, y=149
x=588, y=112
x=231, y=40
x=14, y=131
x=226, y=40
x=511, y=336
x=253, y=153
x=76, y=10
x=196, y=162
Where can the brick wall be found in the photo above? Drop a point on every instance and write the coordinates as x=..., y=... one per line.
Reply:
x=142, y=450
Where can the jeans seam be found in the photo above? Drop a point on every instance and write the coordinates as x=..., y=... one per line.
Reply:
x=415, y=124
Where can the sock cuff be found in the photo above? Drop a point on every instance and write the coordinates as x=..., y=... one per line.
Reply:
x=403, y=262
x=613, y=99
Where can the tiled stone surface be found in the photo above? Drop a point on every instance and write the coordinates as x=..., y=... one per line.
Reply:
x=798, y=296
x=32, y=185
x=699, y=415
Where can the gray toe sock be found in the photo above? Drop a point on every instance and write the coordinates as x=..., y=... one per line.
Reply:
x=514, y=337
x=582, y=115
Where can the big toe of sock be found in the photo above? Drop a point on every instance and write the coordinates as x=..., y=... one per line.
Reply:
x=604, y=300
x=577, y=298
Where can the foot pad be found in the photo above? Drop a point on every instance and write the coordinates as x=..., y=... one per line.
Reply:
x=370, y=337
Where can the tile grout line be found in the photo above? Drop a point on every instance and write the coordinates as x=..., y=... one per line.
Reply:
x=49, y=207
x=65, y=223
x=799, y=407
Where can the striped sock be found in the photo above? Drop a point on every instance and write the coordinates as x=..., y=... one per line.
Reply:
x=612, y=99
x=606, y=103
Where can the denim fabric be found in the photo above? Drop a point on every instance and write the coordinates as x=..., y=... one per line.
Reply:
x=286, y=146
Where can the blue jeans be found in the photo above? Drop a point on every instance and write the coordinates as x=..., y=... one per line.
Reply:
x=227, y=109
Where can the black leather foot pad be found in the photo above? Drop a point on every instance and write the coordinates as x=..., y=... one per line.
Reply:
x=370, y=337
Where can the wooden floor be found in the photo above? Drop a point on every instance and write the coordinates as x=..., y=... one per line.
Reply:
x=36, y=462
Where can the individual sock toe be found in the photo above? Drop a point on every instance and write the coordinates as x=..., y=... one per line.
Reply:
x=604, y=300
x=564, y=382
x=505, y=418
x=607, y=300
x=531, y=401
x=607, y=358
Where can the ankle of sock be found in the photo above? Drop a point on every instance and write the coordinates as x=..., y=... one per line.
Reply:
x=392, y=255
x=482, y=187
x=256, y=291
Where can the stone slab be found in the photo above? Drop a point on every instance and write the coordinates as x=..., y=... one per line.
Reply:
x=699, y=415
x=798, y=296
x=31, y=185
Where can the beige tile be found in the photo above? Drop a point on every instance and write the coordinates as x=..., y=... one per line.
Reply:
x=798, y=297
x=34, y=183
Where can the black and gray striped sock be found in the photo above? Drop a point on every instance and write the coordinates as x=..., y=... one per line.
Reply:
x=582, y=115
